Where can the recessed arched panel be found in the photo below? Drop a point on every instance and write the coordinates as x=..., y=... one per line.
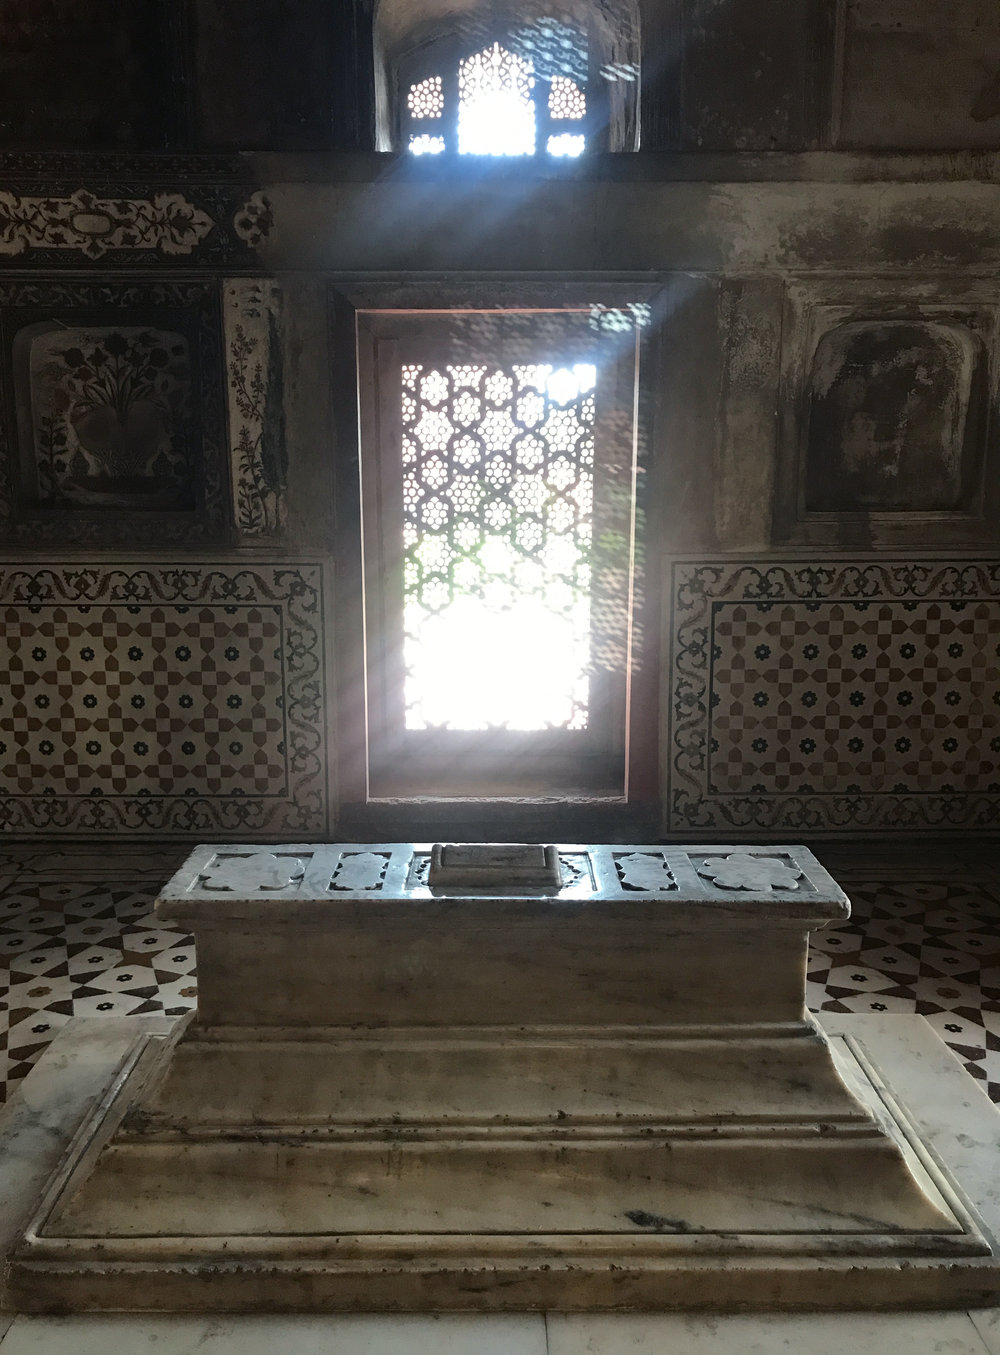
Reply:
x=576, y=52
x=893, y=417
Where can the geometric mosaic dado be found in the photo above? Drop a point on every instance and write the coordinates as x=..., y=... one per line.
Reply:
x=153, y=698
x=161, y=700
x=822, y=697
x=907, y=691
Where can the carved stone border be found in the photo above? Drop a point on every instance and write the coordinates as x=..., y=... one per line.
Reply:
x=696, y=587
x=297, y=590
x=256, y=407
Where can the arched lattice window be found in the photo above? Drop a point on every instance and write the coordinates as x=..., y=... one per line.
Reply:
x=504, y=101
x=507, y=82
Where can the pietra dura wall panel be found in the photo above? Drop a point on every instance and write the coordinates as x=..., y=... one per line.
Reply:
x=113, y=426
x=828, y=696
x=170, y=699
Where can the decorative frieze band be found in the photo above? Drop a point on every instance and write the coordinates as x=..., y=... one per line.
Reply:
x=94, y=225
x=124, y=221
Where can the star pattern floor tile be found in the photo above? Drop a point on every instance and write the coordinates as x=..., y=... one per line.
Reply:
x=927, y=946
x=78, y=937
x=83, y=947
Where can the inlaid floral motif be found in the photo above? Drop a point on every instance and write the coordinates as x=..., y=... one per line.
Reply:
x=115, y=430
x=256, y=406
x=111, y=414
x=252, y=221
x=94, y=225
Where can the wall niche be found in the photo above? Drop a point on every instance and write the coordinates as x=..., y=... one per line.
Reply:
x=112, y=425
x=887, y=429
x=894, y=418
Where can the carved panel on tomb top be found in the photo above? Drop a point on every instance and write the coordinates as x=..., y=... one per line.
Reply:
x=309, y=874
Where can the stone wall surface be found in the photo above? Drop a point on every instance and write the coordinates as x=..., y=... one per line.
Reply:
x=815, y=205
x=747, y=75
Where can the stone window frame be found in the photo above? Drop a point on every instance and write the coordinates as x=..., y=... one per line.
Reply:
x=533, y=809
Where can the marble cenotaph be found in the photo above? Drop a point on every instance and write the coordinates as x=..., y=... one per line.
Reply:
x=488, y=1077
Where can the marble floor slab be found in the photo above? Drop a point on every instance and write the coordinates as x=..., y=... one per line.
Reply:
x=78, y=938
x=988, y=1326
x=299, y=1335
x=764, y=1334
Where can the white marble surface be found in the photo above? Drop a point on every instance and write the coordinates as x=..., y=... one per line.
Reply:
x=959, y=1120
x=764, y=1334
x=503, y=1190
x=988, y=1326
x=36, y=1124
x=299, y=1335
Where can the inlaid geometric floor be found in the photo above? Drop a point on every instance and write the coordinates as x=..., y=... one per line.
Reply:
x=78, y=938
x=925, y=946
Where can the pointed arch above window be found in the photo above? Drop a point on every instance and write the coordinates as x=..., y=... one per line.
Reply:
x=518, y=80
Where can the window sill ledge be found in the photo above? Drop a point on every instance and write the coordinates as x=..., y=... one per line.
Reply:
x=510, y=819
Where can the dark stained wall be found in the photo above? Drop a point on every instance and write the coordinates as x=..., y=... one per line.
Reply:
x=75, y=74
x=285, y=75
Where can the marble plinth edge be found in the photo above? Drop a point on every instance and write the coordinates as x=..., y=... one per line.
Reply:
x=384, y=1273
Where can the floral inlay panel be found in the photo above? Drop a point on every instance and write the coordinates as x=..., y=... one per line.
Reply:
x=112, y=422
x=835, y=696
x=111, y=417
x=255, y=389
x=67, y=210
x=93, y=225
x=144, y=698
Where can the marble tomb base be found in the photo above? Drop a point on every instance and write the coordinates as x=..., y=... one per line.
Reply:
x=479, y=1078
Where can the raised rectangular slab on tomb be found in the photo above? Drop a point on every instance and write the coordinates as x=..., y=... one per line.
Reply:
x=502, y=1077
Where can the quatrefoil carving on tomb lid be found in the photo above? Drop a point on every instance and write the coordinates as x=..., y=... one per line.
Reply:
x=740, y=870
x=360, y=870
x=644, y=871
x=261, y=871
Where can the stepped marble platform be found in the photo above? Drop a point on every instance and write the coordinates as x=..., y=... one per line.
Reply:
x=464, y=1077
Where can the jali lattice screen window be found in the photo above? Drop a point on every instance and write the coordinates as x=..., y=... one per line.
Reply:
x=499, y=479
x=522, y=95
